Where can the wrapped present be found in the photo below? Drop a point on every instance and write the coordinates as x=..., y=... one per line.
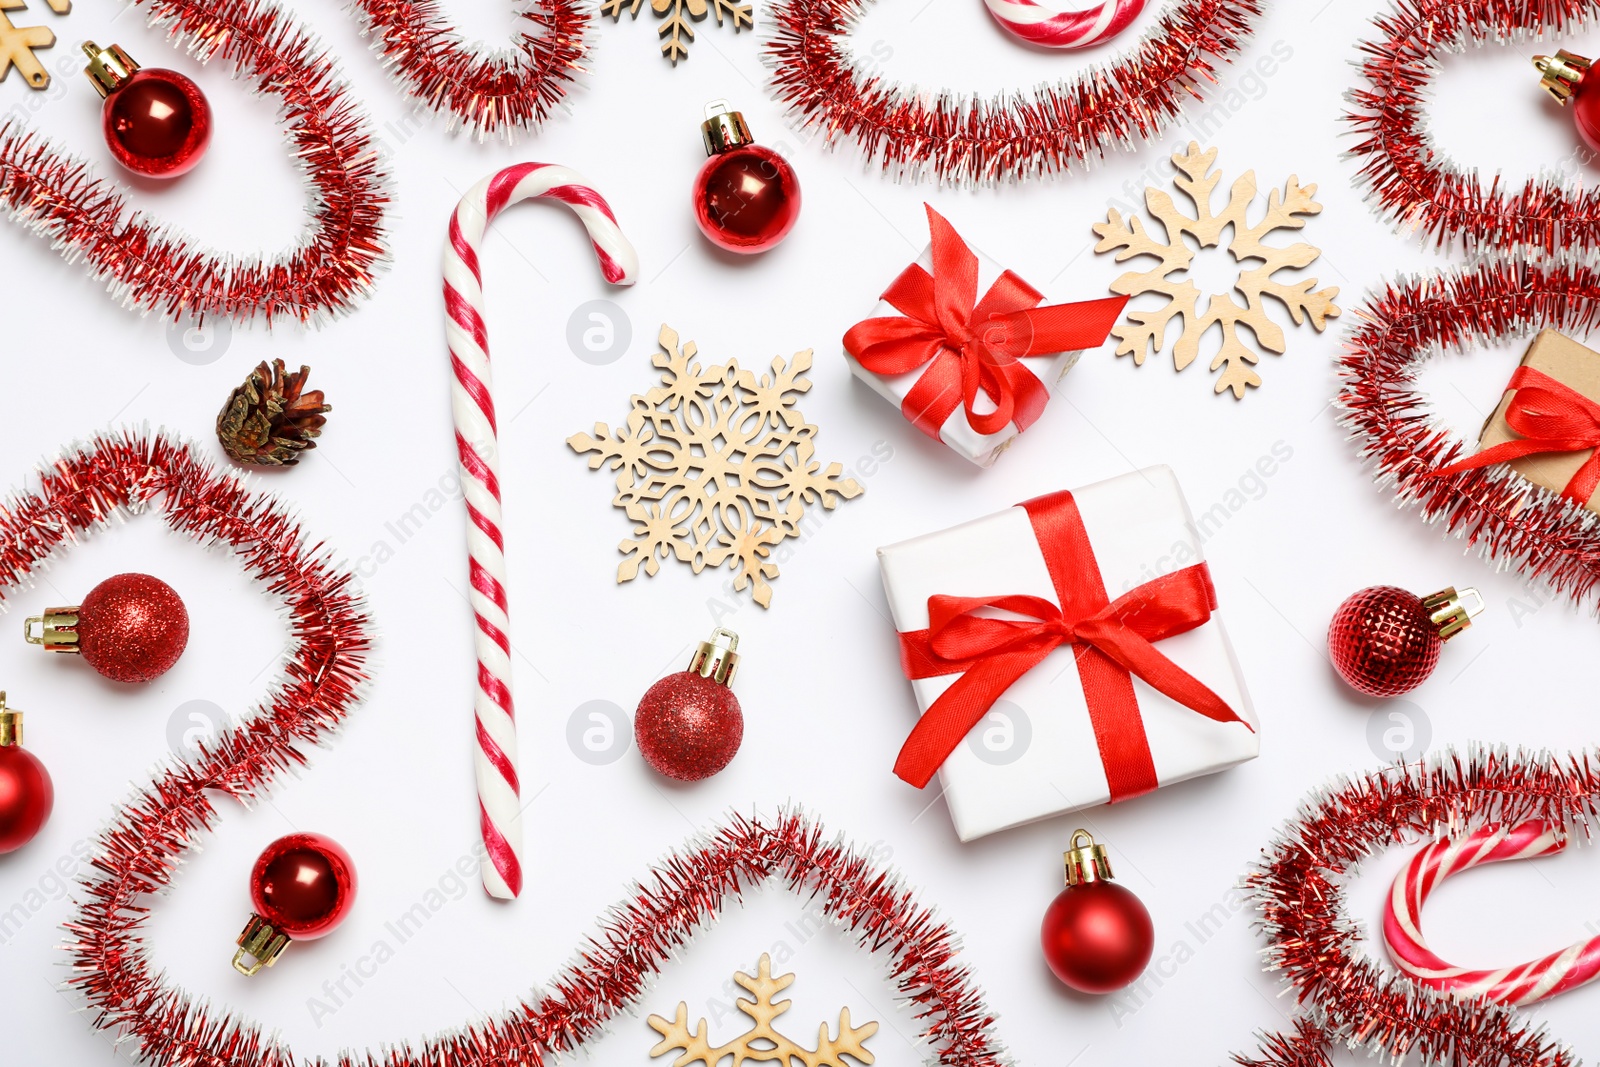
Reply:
x=971, y=371
x=1547, y=426
x=1080, y=630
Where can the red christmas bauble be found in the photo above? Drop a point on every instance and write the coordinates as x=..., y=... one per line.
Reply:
x=26, y=797
x=688, y=727
x=746, y=199
x=303, y=885
x=1383, y=642
x=1097, y=936
x=132, y=627
x=157, y=123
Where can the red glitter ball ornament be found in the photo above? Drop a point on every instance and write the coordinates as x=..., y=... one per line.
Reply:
x=689, y=725
x=156, y=122
x=1097, y=935
x=26, y=794
x=302, y=886
x=746, y=196
x=131, y=628
x=1385, y=641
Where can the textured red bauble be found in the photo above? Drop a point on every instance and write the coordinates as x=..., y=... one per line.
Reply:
x=1385, y=641
x=746, y=196
x=1097, y=935
x=131, y=628
x=301, y=887
x=689, y=725
x=26, y=795
x=156, y=122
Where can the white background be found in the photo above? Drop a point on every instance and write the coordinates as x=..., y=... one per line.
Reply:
x=825, y=705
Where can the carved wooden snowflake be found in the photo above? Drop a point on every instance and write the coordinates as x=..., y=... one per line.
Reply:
x=676, y=32
x=761, y=1043
x=715, y=466
x=1145, y=331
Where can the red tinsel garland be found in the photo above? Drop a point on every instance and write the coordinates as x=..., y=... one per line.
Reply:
x=1509, y=518
x=1299, y=889
x=149, y=266
x=485, y=93
x=1409, y=180
x=955, y=138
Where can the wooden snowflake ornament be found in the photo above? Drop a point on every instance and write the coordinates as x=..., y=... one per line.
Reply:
x=761, y=1043
x=676, y=32
x=715, y=466
x=1144, y=331
x=18, y=42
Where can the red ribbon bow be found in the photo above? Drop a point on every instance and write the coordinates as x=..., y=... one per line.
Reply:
x=1113, y=642
x=970, y=345
x=1551, y=416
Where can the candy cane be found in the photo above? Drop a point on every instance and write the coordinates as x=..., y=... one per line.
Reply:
x=1051, y=28
x=1516, y=986
x=499, y=809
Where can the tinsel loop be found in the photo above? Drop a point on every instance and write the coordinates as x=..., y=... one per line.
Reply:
x=1010, y=136
x=1313, y=942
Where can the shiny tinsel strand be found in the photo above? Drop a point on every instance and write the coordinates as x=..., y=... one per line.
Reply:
x=1508, y=518
x=953, y=138
x=155, y=268
x=500, y=93
x=1298, y=888
x=1409, y=180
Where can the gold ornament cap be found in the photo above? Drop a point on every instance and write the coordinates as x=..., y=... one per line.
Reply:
x=108, y=67
x=1449, y=611
x=1561, y=74
x=717, y=659
x=10, y=724
x=724, y=128
x=57, y=629
x=260, y=945
x=1086, y=861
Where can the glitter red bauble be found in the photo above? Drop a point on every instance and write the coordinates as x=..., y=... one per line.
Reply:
x=132, y=627
x=1097, y=937
x=746, y=199
x=304, y=885
x=26, y=797
x=1382, y=641
x=157, y=123
x=688, y=727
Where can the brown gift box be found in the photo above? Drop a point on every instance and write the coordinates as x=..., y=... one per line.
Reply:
x=1574, y=366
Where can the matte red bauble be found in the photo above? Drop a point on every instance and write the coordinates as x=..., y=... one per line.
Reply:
x=746, y=196
x=1385, y=641
x=1097, y=935
x=1566, y=77
x=130, y=628
x=689, y=725
x=26, y=795
x=302, y=886
x=156, y=122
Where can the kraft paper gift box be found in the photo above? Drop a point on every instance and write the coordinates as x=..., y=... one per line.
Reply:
x=907, y=355
x=1040, y=751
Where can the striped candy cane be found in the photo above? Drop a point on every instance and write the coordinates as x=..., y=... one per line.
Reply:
x=1516, y=986
x=1053, y=28
x=499, y=809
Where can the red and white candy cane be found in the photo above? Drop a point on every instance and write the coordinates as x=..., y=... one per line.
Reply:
x=1515, y=986
x=1051, y=27
x=499, y=807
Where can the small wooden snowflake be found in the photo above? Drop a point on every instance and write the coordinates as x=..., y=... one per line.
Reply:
x=715, y=466
x=676, y=32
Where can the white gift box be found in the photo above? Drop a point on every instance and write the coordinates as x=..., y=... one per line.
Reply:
x=982, y=449
x=1034, y=755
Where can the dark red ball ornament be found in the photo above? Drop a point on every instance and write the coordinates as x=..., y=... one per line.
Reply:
x=302, y=886
x=1565, y=76
x=746, y=196
x=1385, y=641
x=156, y=121
x=689, y=725
x=26, y=795
x=1097, y=935
x=130, y=628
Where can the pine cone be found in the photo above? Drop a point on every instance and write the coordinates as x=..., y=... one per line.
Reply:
x=268, y=420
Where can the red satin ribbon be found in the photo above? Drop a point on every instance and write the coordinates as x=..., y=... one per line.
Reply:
x=971, y=346
x=1551, y=416
x=1113, y=641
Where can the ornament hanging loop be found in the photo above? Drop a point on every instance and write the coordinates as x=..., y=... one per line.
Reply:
x=717, y=658
x=1560, y=74
x=1086, y=861
x=56, y=629
x=10, y=724
x=1448, y=610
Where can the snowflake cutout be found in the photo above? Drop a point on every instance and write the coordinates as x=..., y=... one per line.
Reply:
x=715, y=466
x=677, y=28
x=1144, y=332
x=761, y=1043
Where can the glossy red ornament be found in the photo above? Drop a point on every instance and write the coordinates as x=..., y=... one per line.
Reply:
x=1385, y=641
x=1565, y=76
x=26, y=794
x=301, y=887
x=131, y=628
x=156, y=121
x=746, y=196
x=1097, y=935
x=689, y=725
